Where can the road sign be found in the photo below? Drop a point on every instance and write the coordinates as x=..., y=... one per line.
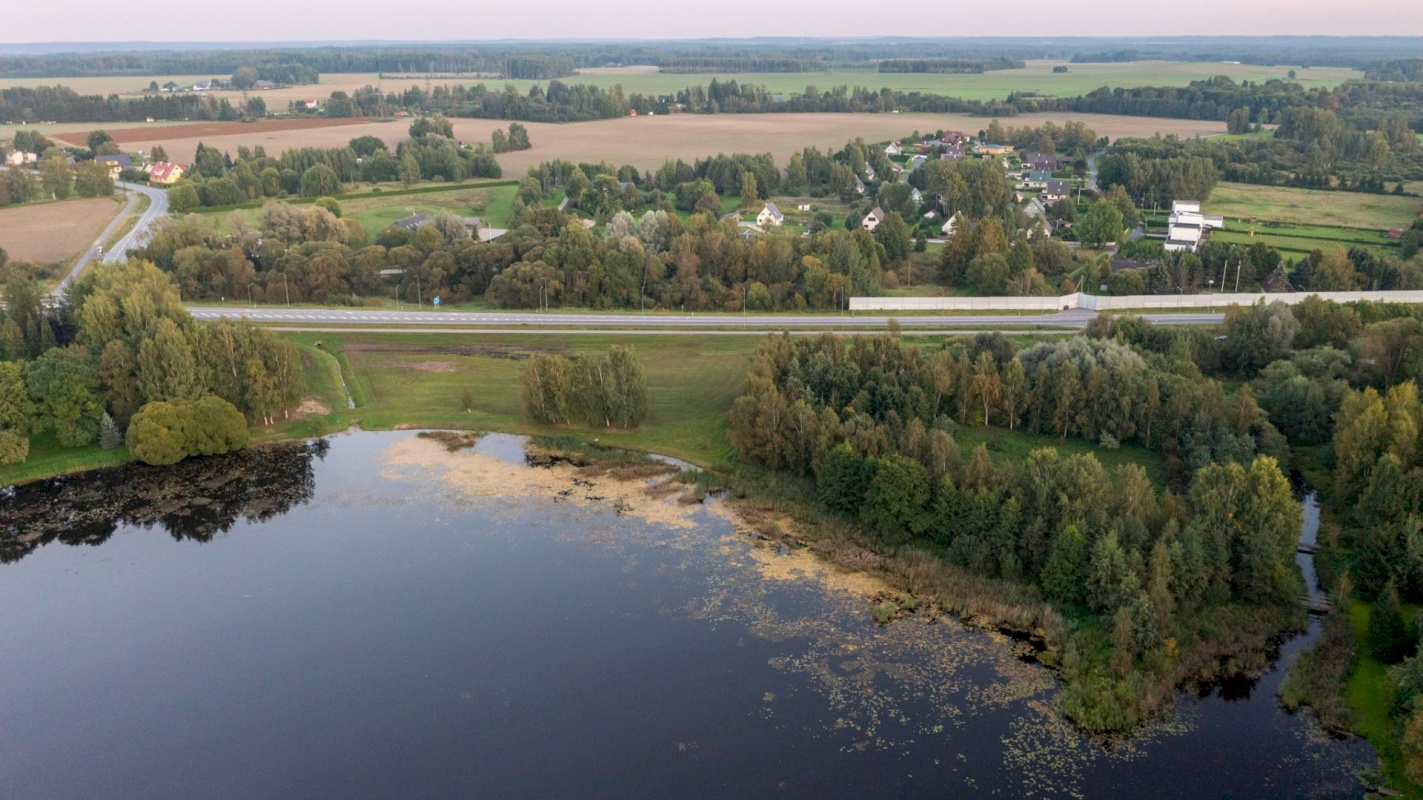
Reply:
x=437, y=300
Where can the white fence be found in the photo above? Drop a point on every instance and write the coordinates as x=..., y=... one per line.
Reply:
x=1096, y=303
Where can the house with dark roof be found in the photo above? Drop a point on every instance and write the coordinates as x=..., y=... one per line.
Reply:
x=411, y=222
x=116, y=163
x=951, y=153
x=1055, y=191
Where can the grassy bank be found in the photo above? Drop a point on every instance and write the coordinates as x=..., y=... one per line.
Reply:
x=1369, y=692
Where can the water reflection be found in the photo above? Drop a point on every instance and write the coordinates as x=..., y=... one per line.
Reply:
x=195, y=500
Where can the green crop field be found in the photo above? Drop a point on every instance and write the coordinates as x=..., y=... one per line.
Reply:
x=1312, y=207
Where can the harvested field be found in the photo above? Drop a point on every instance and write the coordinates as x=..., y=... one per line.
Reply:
x=49, y=232
x=212, y=130
x=645, y=142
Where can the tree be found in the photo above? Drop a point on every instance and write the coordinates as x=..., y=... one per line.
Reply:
x=893, y=234
x=256, y=108
x=244, y=77
x=109, y=436
x=499, y=141
x=63, y=386
x=183, y=197
x=1064, y=577
x=91, y=179
x=436, y=125
x=519, y=137
x=896, y=498
x=409, y=170
x=1101, y=224
x=164, y=433
x=1387, y=635
x=55, y=177
x=749, y=195
x=844, y=477
x=320, y=180
x=98, y=139
x=158, y=153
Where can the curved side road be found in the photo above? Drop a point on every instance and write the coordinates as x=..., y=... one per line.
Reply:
x=135, y=238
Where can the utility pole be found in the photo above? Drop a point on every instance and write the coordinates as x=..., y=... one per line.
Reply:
x=287, y=289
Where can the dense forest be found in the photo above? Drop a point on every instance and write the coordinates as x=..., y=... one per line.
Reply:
x=1149, y=587
x=947, y=65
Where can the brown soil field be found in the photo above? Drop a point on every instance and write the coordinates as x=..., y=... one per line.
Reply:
x=50, y=232
x=211, y=130
x=645, y=142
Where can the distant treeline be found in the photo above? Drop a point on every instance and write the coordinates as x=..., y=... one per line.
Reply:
x=275, y=67
x=948, y=65
x=1407, y=69
x=708, y=64
x=62, y=104
x=537, y=68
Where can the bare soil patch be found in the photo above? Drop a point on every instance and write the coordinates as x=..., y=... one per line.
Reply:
x=312, y=406
x=54, y=231
x=423, y=366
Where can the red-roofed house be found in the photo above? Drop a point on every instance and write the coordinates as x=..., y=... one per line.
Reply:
x=166, y=173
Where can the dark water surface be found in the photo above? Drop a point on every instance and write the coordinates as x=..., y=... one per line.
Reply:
x=314, y=622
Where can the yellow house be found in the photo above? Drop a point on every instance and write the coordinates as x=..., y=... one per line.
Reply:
x=165, y=173
x=116, y=164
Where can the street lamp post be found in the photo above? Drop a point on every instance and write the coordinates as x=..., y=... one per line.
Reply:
x=287, y=289
x=250, y=302
x=418, y=300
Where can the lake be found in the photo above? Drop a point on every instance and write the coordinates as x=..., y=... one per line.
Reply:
x=373, y=616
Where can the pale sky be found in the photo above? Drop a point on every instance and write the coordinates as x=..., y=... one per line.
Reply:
x=324, y=20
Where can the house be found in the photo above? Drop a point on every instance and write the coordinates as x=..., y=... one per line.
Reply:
x=893, y=149
x=473, y=224
x=116, y=163
x=859, y=186
x=802, y=206
x=917, y=196
x=411, y=222
x=202, y=86
x=992, y=149
x=15, y=158
x=264, y=85
x=955, y=138
x=917, y=162
x=947, y=229
x=873, y=219
x=1055, y=191
x=770, y=216
x=951, y=153
x=869, y=172
x=166, y=173
x=1037, y=179
x=309, y=104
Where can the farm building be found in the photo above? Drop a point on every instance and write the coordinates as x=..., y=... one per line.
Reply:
x=15, y=158
x=166, y=173
x=770, y=216
x=264, y=85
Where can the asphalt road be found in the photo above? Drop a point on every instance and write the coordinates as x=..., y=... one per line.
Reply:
x=135, y=238
x=682, y=322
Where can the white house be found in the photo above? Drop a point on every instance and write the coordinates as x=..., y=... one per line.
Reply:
x=859, y=186
x=1187, y=226
x=873, y=219
x=770, y=216
x=917, y=196
x=893, y=149
x=869, y=172
x=948, y=227
x=15, y=158
x=802, y=207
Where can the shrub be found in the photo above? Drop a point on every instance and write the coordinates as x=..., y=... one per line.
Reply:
x=167, y=432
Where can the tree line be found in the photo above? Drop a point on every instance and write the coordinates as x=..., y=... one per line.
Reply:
x=947, y=65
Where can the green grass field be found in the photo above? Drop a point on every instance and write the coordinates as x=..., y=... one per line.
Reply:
x=1369, y=692
x=48, y=459
x=1312, y=207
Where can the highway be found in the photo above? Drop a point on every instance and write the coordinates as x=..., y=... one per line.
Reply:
x=135, y=238
x=289, y=317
